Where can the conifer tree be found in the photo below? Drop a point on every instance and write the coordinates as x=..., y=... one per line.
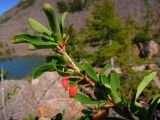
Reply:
x=103, y=27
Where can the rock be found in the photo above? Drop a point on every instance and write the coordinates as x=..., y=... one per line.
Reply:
x=152, y=67
x=44, y=86
x=157, y=81
x=51, y=107
x=153, y=48
x=52, y=98
x=22, y=103
x=139, y=68
x=117, y=70
x=45, y=97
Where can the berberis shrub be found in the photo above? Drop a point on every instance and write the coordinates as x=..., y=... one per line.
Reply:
x=103, y=89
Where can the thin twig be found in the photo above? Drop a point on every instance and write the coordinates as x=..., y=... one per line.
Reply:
x=89, y=80
x=3, y=98
x=88, y=92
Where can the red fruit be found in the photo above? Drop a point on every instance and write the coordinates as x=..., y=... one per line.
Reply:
x=65, y=83
x=72, y=91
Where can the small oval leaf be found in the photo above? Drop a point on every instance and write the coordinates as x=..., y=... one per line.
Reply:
x=146, y=80
x=35, y=40
x=39, y=27
x=51, y=15
x=114, y=81
x=84, y=99
x=90, y=72
x=44, y=68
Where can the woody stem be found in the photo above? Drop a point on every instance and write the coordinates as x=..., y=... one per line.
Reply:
x=73, y=65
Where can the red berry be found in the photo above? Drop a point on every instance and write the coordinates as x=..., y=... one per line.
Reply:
x=72, y=91
x=65, y=83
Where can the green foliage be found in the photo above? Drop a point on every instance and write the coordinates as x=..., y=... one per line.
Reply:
x=62, y=6
x=54, y=25
x=62, y=22
x=35, y=40
x=77, y=5
x=5, y=73
x=75, y=45
x=115, y=84
x=107, y=36
x=38, y=27
x=84, y=99
x=48, y=39
x=103, y=27
x=105, y=69
x=141, y=37
x=46, y=67
x=144, y=83
x=9, y=94
x=90, y=72
x=30, y=117
x=146, y=80
x=105, y=81
x=114, y=81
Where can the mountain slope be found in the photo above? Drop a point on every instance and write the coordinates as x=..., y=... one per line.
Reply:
x=15, y=20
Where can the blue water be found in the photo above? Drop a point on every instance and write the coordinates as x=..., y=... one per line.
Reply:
x=20, y=67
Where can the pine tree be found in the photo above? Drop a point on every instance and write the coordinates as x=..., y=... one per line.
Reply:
x=104, y=28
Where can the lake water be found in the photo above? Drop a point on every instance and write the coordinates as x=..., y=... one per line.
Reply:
x=20, y=67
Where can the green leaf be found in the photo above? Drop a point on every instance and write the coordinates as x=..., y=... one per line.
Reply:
x=153, y=105
x=51, y=15
x=62, y=22
x=54, y=63
x=56, y=37
x=115, y=84
x=44, y=68
x=84, y=99
x=146, y=80
x=105, y=69
x=105, y=81
x=36, y=47
x=32, y=47
x=35, y=40
x=39, y=27
x=114, y=81
x=31, y=117
x=90, y=72
x=116, y=97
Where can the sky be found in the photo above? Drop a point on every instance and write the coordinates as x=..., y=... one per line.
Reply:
x=5, y=5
